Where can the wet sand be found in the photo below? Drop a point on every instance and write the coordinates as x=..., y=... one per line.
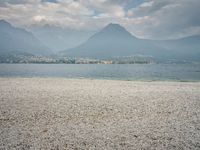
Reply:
x=58, y=113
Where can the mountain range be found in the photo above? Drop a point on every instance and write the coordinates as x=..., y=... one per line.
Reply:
x=110, y=42
x=115, y=41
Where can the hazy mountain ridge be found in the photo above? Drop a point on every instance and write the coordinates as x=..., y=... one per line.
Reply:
x=18, y=39
x=114, y=40
x=187, y=48
x=58, y=38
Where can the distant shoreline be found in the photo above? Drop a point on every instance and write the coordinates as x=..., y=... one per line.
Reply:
x=102, y=79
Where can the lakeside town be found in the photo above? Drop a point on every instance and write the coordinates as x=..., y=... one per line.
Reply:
x=68, y=60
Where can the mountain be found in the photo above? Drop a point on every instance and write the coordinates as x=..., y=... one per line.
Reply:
x=114, y=40
x=187, y=48
x=111, y=41
x=58, y=38
x=19, y=40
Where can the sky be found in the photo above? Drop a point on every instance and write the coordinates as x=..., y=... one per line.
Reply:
x=152, y=19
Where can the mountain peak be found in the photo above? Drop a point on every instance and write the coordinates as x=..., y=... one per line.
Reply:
x=20, y=40
x=113, y=30
x=114, y=27
x=4, y=23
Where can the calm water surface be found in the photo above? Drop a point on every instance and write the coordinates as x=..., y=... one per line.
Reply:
x=146, y=72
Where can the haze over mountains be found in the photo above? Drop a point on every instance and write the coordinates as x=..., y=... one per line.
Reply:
x=14, y=39
x=58, y=38
x=116, y=41
x=110, y=42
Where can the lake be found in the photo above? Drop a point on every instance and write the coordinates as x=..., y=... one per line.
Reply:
x=138, y=72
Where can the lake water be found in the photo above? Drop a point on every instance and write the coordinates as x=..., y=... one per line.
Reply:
x=144, y=72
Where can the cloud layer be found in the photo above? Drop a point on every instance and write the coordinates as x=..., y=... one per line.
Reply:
x=154, y=19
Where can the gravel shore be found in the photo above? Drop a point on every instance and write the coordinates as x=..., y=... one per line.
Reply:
x=58, y=113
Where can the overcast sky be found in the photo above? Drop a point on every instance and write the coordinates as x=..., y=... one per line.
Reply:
x=144, y=18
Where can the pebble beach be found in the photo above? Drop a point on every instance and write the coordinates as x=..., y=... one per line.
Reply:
x=58, y=113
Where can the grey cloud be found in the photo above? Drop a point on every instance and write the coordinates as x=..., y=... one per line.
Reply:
x=169, y=19
x=145, y=18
